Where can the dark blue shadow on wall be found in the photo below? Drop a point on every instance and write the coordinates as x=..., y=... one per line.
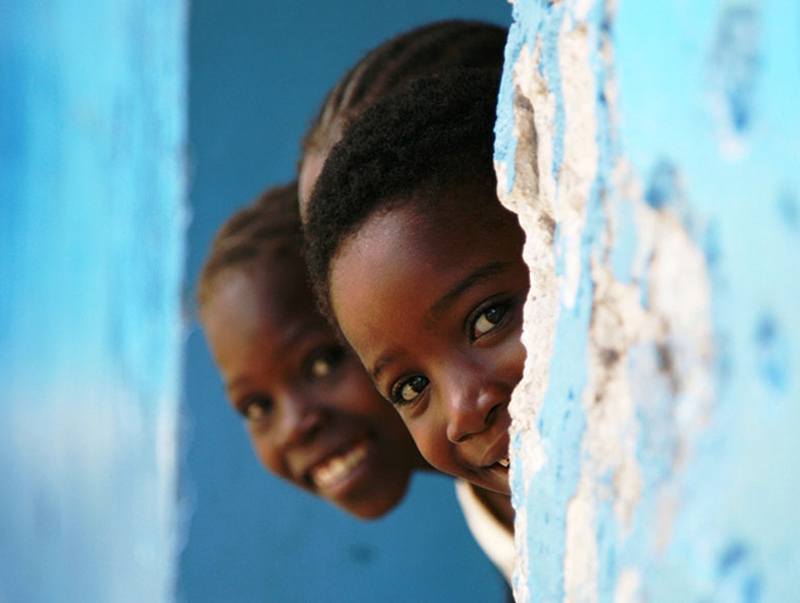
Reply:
x=258, y=71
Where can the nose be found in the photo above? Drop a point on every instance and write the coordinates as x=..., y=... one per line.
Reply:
x=474, y=402
x=301, y=418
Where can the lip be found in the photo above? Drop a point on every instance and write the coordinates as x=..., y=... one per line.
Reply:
x=500, y=479
x=497, y=451
x=353, y=475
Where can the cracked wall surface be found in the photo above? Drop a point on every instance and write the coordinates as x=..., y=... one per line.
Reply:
x=652, y=152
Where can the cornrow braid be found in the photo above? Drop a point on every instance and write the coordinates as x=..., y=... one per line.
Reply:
x=272, y=218
x=414, y=146
x=386, y=69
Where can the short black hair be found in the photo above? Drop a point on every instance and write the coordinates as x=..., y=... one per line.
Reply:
x=420, y=52
x=434, y=136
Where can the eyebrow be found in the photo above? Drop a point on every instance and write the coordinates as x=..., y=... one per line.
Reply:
x=284, y=344
x=474, y=278
x=296, y=334
x=236, y=385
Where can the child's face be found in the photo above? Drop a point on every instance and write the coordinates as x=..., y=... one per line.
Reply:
x=432, y=303
x=312, y=413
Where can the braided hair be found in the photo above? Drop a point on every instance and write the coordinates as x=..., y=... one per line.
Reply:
x=269, y=225
x=388, y=68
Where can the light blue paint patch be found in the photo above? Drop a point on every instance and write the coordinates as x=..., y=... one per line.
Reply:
x=625, y=240
x=649, y=59
x=680, y=67
x=735, y=62
x=561, y=423
x=788, y=207
x=657, y=440
x=505, y=144
x=624, y=244
x=662, y=185
x=551, y=70
x=605, y=138
x=562, y=420
x=734, y=493
x=91, y=260
x=772, y=353
x=527, y=20
x=517, y=476
x=607, y=540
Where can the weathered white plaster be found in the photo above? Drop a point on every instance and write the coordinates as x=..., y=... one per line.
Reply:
x=628, y=588
x=649, y=327
x=579, y=165
x=536, y=109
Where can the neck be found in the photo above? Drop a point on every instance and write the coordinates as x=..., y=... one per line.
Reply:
x=498, y=504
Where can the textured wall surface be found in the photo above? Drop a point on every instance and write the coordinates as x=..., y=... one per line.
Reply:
x=652, y=150
x=92, y=140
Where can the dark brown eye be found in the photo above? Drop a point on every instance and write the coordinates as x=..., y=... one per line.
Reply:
x=408, y=390
x=323, y=362
x=488, y=320
x=256, y=408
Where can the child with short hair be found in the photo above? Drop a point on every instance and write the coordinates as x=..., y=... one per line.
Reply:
x=253, y=292
x=412, y=254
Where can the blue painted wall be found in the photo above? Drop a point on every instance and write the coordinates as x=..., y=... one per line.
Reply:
x=668, y=132
x=92, y=138
x=258, y=71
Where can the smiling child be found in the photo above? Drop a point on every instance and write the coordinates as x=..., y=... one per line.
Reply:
x=312, y=414
x=412, y=254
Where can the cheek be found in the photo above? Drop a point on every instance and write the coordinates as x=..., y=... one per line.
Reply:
x=266, y=452
x=431, y=440
x=511, y=359
x=361, y=402
x=355, y=394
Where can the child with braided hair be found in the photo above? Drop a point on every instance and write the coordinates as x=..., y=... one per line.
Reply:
x=311, y=412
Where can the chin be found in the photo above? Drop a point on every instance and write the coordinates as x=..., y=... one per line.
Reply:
x=384, y=500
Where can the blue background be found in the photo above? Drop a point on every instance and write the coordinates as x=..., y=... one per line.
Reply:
x=258, y=71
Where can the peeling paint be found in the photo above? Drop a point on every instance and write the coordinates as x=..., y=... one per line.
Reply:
x=733, y=70
x=653, y=336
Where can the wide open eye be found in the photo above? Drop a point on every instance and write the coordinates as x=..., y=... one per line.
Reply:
x=322, y=362
x=255, y=408
x=488, y=319
x=408, y=390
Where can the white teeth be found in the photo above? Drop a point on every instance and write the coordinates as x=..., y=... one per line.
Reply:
x=504, y=462
x=338, y=467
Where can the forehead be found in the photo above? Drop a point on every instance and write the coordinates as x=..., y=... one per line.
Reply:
x=400, y=262
x=256, y=303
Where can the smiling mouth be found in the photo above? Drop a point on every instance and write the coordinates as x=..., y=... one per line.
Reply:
x=497, y=456
x=338, y=468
